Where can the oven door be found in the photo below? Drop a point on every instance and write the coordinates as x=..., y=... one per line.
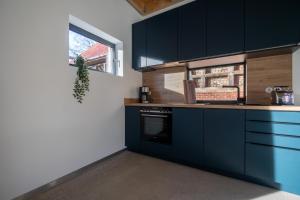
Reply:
x=156, y=127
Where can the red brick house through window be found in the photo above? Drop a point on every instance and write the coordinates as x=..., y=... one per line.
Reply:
x=209, y=82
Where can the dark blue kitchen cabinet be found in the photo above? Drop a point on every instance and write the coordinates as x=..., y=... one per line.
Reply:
x=188, y=135
x=132, y=128
x=224, y=140
x=225, y=27
x=274, y=166
x=273, y=116
x=139, y=57
x=162, y=38
x=273, y=148
x=271, y=24
x=192, y=31
x=164, y=151
x=206, y=29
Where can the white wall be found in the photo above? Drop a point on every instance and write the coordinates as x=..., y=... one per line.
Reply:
x=296, y=76
x=44, y=132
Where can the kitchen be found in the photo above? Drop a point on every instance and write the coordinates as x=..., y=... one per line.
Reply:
x=224, y=101
x=150, y=99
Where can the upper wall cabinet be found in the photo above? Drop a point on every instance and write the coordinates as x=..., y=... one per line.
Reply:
x=162, y=38
x=139, y=57
x=225, y=27
x=271, y=23
x=211, y=28
x=192, y=30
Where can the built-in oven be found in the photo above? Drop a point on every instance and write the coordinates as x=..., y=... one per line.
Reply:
x=156, y=124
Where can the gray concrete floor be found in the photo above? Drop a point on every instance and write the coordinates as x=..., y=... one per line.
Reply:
x=131, y=176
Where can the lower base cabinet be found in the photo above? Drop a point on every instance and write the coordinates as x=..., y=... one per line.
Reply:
x=224, y=140
x=132, y=128
x=274, y=166
x=250, y=144
x=163, y=151
x=273, y=149
x=188, y=136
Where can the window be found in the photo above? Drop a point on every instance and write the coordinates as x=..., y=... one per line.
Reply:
x=210, y=82
x=101, y=51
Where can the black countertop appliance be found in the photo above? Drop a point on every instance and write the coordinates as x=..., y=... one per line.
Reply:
x=282, y=95
x=145, y=95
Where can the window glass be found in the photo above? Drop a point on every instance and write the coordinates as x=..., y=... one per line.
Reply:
x=98, y=56
x=210, y=82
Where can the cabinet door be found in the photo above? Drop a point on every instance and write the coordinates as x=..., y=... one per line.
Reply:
x=162, y=36
x=139, y=45
x=188, y=135
x=192, y=30
x=277, y=167
x=271, y=23
x=132, y=128
x=224, y=140
x=225, y=27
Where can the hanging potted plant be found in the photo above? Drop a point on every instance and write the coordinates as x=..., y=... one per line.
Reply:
x=81, y=85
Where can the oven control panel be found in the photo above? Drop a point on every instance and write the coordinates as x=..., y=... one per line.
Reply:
x=156, y=110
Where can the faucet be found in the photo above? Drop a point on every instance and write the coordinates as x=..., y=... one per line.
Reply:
x=239, y=99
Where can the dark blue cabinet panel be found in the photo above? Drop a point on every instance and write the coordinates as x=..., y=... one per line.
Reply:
x=271, y=23
x=224, y=139
x=192, y=30
x=272, y=149
x=162, y=38
x=139, y=45
x=274, y=127
x=132, y=128
x=273, y=122
x=225, y=27
x=278, y=167
x=273, y=140
x=163, y=151
x=188, y=135
x=273, y=116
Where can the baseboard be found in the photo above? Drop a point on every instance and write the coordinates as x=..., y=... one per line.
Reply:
x=68, y=177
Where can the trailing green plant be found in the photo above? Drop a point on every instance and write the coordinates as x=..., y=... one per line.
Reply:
x=81, y=85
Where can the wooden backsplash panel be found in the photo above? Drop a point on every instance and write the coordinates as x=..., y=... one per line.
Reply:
x=265, y=72
x=166, y=84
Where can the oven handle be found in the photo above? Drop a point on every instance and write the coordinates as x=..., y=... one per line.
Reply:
x=158, y=116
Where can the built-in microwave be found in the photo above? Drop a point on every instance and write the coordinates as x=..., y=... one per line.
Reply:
x=156, y=125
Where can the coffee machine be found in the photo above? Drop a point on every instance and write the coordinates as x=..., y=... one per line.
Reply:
x=145, y=95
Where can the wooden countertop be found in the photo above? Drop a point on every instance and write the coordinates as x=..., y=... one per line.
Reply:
x=242, y=107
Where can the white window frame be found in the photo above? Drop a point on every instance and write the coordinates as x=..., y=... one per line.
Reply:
x=78, y=26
